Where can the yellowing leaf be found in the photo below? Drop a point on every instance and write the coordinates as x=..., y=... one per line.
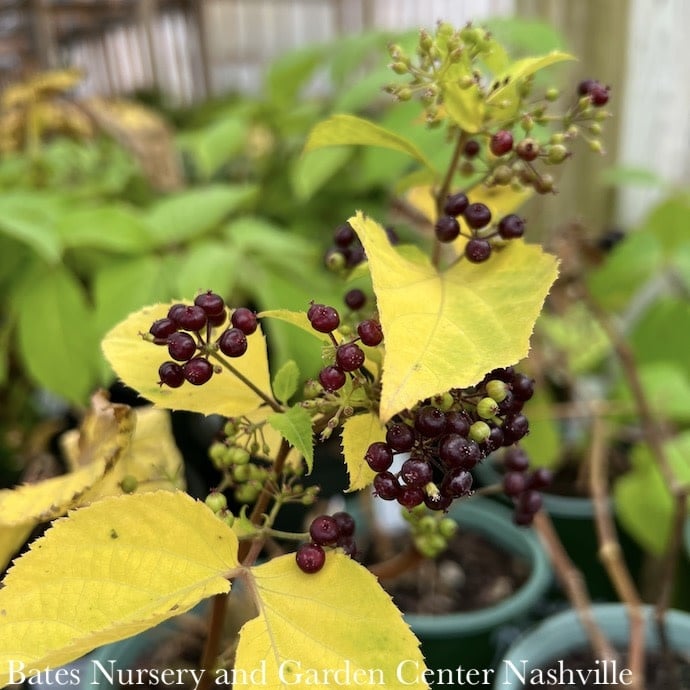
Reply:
x=339, y=619
x=108, y=571
x=359, y=432
x=136, y=362
x=447, y=329
x=465, y=106
x=343, y=130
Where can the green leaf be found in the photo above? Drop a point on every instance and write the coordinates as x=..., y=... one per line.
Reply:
x=339, y=618
x=30, y=218
x=622, y=175
x=206, y=265
x=192, y=213
x=446, y=329
x=525, y=35
x=285, y=381
x=643, y=502
x=294, y=425
x=543, y=444
x=291, y=72
x=313, y=169
x=113, y=228
x=348, y=130
x=56, y=335
x=109, y=571
x=668, y=223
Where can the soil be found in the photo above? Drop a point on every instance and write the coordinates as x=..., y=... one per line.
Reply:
x=471, y=574
x=659, y=675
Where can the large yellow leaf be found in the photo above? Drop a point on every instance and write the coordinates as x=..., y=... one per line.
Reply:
x=447, y=329
x=106, y=435
x=338, y=620
x=136, y=362
x=359, y=432
x=108, y=571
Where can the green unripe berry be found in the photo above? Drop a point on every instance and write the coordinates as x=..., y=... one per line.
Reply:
x=430, y=545
x=231, y=428
x=227, y=517
x=129, y=484
x=443, y=402
x=395, y=51
x=503, y=174
x=447, y=527
x=596, y=146
x=425, y=40
x=527, y=123
x=312, y=389
x=246, y=493
x=487, y=408
x=480, y=431
x=217, y=452
x=335, y=260
x=595, y=129
x=237, y=455
x=557, y=154
x=404, y=94
x=399, y=67
x=557, y=138
x=466, y=81
x=427, y=525
x=497, y=389
x=216, y=501
x=240, y=473
x=552, y=94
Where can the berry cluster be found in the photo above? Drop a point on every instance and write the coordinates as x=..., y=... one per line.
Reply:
x=477, y=217
x=349, y=356
x=523, y=486
x=187, y=331
x=346, y=251
x=444, y=438
x=335, y=531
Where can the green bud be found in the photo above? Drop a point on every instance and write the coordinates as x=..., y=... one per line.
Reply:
x=552, y=94
x=545, y=184
x=595, y=129
x=572, y=132
x=480, y=431
x=497, y=389
x=487, y=408
x=240, y=473
x=216, y=501
x=395, y=51
x=312, y=389
x=231, y=428
x=246, y=493
x=425, y=40
x=601, y=115
x=466, y=81
x=447, y=527
x=557, y=153
x=237, y=456
x=557, y=138
x=443, y=402
x=503, y=174
x=335, y=260
x=596, y=146
x=404, y=94
x=227, y=517
x=399, y=67
x=427, y=525
x=527, y=123
x=129, y=484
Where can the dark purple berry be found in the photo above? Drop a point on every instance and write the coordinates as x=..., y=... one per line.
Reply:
x=514, y=483
x=370, y=332
x=586, y=86
x=495, y=440
x=191, y=318
x=245, y=320
x=198, y=371
x=522, y=518
x=541, y=478
x=162, y=328
x=410, y=497
x=392, y=235
x=344, y=235
x=522, y=387
x=181, y=346
x=175, y=311
x=446, y=229
x=529, y=501
x=386, y=486
x=355, y=299
x=478, y=250
x=400, y=438
x=457, y=483
x=456, y=204
x=354, y=255
x=515, y=459
x=599, y=95
x=346, y=524
x=477, y=215
x=511, y=226
x=439, y=501
x=349, y=356
x=170, y=374
x=332, y=378
x=457, y=423
x=218, y=319
x=457, y=452
x=324, y=530
x=510, y=405
x=210, y=302
x=471, y=148
x=515, y=427
x=430, y=421
x=348, y=545
x=416, y=472
x=310, y=558
x=379, y=456
x=233, y=342
x=323, y=319
x=501, y=142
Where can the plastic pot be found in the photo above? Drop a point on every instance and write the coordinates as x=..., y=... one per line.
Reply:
x=559, y=635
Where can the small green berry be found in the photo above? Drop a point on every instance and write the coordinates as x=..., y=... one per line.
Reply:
x=487, y=408
x=552, y=94
x=216, y=501
x=557, y=154
x=129, y=484
x=447, y=527
x=497, y=389
x=480, y=431
x=238, y=456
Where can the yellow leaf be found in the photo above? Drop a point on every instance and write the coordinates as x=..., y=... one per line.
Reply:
x=359, y=432
x=315, y=625
x=136, y=362
x=108, y=571
x=465, y=106
x=446, y=329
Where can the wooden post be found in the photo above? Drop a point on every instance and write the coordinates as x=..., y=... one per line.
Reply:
x=199, y=18
x=45, y=48
x=147, y=15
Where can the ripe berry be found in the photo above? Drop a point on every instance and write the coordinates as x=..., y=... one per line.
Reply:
x=599, y=95
x=400, y=437
x=344, y=235
x=511, y=226
x=162, y=328
x=471, y=148
x=386, y=486
x=218, y=319
x=477, y=215
x=332, y=378
x=244, y=319
x=457, y=483
x=346, y=524
x=478, y=250
x=355, y=299
x=540, y=478
x=529, y=501
x=410, y=497
x=501, y=142
x=527, y=149
x=349, y=356
x=585, y=86
x=457, y=423
x=439, y=501
x=191, y=318
x=233, y=342
x=323, y=319
x=175, y=311
x=198, y=371
x=514, y=483
x=310, y=558
x=181, y=346
x=457, y=452
x=515, y=426
x=324, y=530
x=522, y=387
x=430, y=421
x=170, y=374
x=416, y=472
x=210, y=302
x=379, y=456
x=370, y=332
x=456, y=204
x=446, y=229
x=515, y=459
